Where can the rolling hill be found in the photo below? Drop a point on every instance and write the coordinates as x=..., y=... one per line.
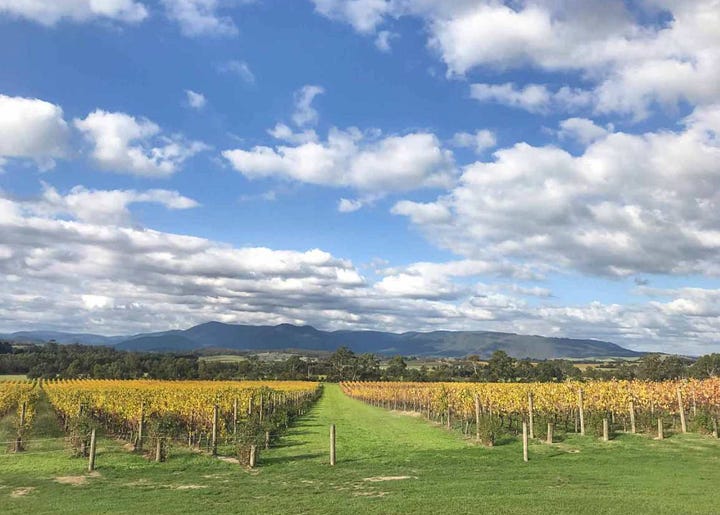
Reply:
x=287, y=336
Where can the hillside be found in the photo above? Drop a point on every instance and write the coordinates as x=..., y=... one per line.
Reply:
x=436, y=343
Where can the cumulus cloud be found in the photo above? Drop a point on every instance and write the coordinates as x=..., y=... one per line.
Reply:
x=382, y=41
x=125, y=144
x=350, y=158
x=581, y=130
x=535, y=98
x=238, y=68
x=479, y=141
x=64, y=266
x=49, y=12
x=195, y=100
x=199, y=17
x=658, y=52
x=629, y=204
x=102, y=206
x=32, y=128
x=305, y=113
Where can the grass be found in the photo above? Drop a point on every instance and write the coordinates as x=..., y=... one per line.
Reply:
x=441, y=472
x=12, y=377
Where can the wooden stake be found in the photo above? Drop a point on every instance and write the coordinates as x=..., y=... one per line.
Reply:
x=253, y=456
x=683, y=424
x=715, y=427
x=525, y=440
x=21, y=428
x=235, y=416
x=267, y=439
x=606, y=430
x=530, y=415
x=550, y=431
x=216, y=411
x=661, y=430
x=581, y=410
x=332, y=444
x=477, y=418
x=91, y=460
x=141, y=422
x=158, y=449
x=632, y=416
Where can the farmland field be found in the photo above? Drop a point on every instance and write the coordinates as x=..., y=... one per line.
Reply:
x=388, y=462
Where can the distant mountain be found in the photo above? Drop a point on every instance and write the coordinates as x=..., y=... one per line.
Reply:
x=217, y=335
x=60, y=337
x=436, y=343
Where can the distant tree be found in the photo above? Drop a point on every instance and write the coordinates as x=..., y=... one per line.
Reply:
x=706, y=366
x=396, y=368
x=501, y=367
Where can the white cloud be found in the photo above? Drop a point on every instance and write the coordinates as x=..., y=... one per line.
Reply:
x=102, y=206
x=655, y=52
x=32, y=128
x=195, y=100
x=122, y=144
x=305, y=113
x=349, y=205
x=582, y=130
x=239, y=68
x=285, y=133
x=535, y=98
x=479, y=141
x=49, y=12
x=363, y=15
x=382, y=41
x=352, y=159
x=629, y=204
x=199, y=17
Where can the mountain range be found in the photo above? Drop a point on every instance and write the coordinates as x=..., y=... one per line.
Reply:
x=218, y=335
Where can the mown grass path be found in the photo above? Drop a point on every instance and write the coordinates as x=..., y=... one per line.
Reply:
x=387, y=463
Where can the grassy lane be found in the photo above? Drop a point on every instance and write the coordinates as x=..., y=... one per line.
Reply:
x=387, y=463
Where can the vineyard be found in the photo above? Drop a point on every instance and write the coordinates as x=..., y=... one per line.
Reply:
x=151, y=415
x=492, y=409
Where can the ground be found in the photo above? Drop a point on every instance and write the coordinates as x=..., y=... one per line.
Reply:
x=388, y=462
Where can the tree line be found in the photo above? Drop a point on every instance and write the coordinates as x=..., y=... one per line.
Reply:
x=52, y=360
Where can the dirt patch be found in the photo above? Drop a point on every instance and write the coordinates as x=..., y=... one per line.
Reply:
x=370, y=494
x=377, y=479
x=189, y=487
x=22, y=491
x=229, y=459
x=414, y=414
x=71, y=480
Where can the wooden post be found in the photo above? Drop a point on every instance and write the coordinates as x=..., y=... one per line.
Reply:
x=91, y=460
x=661, y=430
x=525, y=440
x=550, y=431
x=606, y=430
x=262, y=406
x=632, y=416
x=530, y=415
x=215, y=429
x=332, y=444
x=141, y=422
x=253, y=456
x=683, y=424
x=235, y=416
x=158, y=449
x=477, y=418
x=448, y=417
x=715, y=427
x=581, y=410
x=267, y=439
x=21, y=428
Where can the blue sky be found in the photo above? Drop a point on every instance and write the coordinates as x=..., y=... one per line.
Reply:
x=537, y=167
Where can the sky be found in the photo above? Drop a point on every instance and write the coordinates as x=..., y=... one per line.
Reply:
x=541, y=167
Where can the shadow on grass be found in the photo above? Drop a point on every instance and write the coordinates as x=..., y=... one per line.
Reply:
x=287, y=459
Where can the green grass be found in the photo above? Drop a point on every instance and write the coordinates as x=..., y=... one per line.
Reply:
x=445, y=473
x=12, y=377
